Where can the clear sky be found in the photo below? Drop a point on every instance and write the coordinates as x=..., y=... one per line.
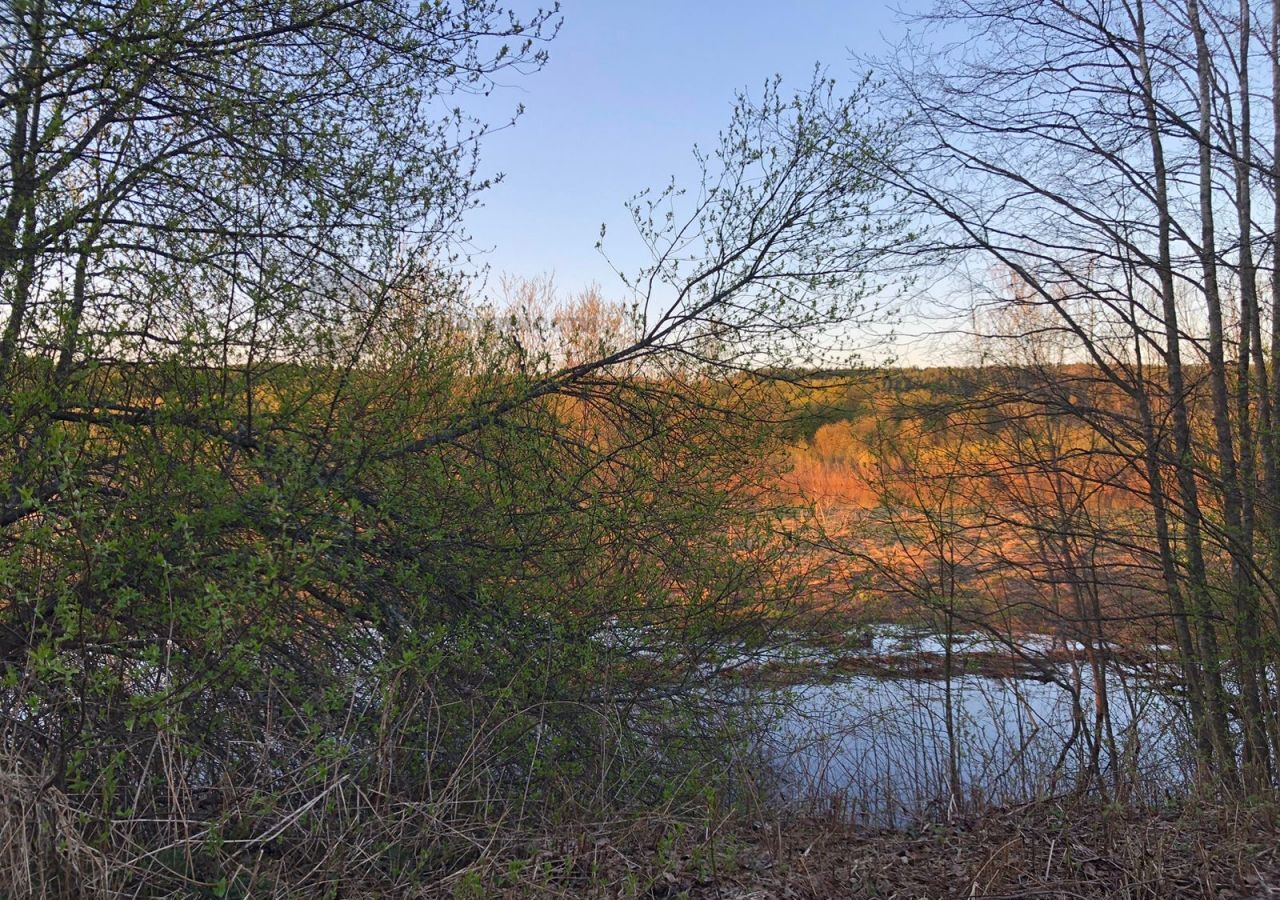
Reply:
x=632, y=85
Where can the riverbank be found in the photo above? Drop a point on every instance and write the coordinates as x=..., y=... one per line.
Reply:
x=892, y=650
x=1045, y=850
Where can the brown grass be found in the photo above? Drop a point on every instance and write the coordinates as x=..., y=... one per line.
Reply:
x=1047, y=850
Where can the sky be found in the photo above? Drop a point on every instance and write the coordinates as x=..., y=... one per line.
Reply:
x=630, y=88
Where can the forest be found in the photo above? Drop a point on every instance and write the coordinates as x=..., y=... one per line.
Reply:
x=333, y=565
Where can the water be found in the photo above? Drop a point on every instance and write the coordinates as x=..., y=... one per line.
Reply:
x=876, y=748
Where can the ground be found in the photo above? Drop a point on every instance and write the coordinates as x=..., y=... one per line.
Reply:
x=1046, y=850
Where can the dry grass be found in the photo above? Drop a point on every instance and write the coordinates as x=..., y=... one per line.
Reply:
x=1046, y=850
x=41, y=839
x=368, y=846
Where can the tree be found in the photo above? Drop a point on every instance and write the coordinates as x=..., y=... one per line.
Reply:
x=1062, y=142
x=308, y=557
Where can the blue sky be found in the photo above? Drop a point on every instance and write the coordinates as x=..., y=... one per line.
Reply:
x=632, y=85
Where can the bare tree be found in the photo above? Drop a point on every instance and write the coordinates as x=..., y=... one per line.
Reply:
x=1064, y=142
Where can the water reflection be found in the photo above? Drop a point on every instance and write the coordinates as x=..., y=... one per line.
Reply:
x=877, y=749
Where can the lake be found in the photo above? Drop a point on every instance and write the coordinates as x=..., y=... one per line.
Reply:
x=874, y=748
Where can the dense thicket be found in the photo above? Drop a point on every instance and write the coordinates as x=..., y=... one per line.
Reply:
x=319, y=573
